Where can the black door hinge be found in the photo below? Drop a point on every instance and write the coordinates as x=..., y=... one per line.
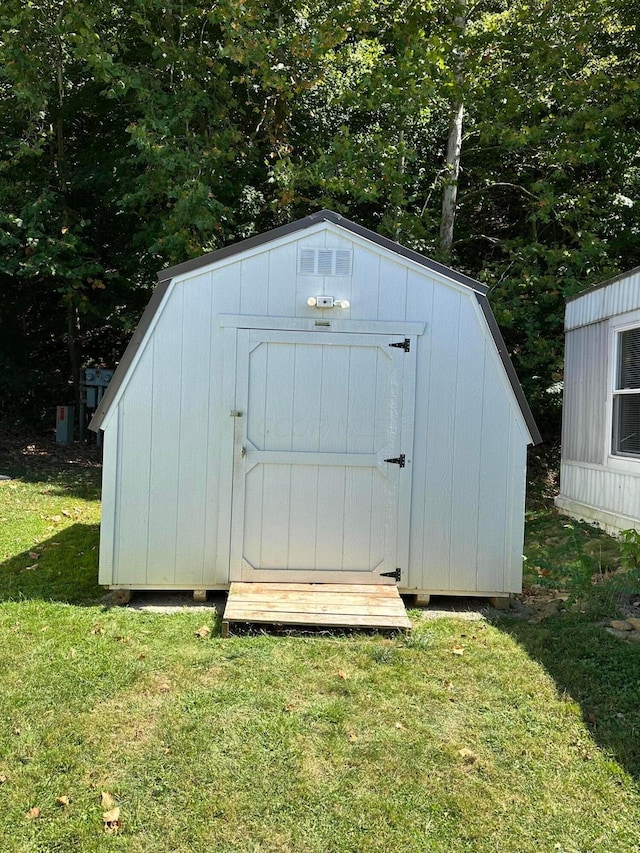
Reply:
x=397, y=460
x=394, y=574
x=405, y=345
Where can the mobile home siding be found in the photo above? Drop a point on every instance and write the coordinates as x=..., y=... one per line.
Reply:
x=585, y=393
x=606, y=300
x=596, y=485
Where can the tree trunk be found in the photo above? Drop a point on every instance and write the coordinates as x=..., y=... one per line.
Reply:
x=73, y=347
x=454, y=141
x=452, y=171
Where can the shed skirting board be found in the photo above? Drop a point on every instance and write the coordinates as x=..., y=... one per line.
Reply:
x=224, y=587
x=172, y=587
x=611, y=522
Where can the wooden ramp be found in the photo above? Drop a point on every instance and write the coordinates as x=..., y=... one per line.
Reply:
x=324, y=605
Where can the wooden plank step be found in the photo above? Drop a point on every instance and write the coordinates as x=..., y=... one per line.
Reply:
x=313, y=607
x=241, y=588
x=307, y=605
x=318, y=597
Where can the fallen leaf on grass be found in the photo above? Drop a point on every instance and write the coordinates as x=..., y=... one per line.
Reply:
x=458, y=650
x=106, y=800
x=66, y=512
x=34, y=555
x=30, y=568
x=289, y=708
x=467, y=755
x=203, y=632
x=400, y=727
x=592, y=720
x=342, y=674
x=97, y=629
x=353, y=738
x=111, y=820
x=62, y=801
x=3, y=778
x=33, y=813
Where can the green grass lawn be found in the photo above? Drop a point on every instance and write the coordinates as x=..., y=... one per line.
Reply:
x=527, y=741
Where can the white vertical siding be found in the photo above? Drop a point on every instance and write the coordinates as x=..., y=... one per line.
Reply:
x=109, y=503
x=281, y=272
x=467, y=442
x=514, y=525
x=392, y=290
x=254, y=284
x=193, y=435
x=469, y=456
x=437, y=432
x=166, y=411
x=585, y=393
x=364, y=286
x=168, y=493
x=134, y=474
x=495, y=476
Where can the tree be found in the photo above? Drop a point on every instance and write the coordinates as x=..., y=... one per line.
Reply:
x=140, y=134
x=56, y=160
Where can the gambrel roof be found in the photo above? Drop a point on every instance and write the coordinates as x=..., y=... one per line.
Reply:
x=165, y=276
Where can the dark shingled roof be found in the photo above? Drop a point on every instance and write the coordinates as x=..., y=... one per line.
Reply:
x=165, y=276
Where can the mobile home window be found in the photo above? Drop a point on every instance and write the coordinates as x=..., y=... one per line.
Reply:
x=626, y=395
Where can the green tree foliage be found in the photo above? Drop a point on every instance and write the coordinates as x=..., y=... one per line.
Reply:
x=550, y=174
x=60, y=239
x=142, y=133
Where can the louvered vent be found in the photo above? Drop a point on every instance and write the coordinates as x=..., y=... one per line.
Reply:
x=328, y=262
x=307, y=262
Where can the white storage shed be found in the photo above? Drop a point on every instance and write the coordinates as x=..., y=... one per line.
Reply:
x=600, y=468
x=315, y=404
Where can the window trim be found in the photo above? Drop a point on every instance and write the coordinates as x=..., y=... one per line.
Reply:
x=617, y=459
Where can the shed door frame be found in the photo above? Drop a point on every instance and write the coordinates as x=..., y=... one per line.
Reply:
x=237, y=348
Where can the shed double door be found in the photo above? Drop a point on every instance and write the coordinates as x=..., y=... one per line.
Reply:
x=323, y=421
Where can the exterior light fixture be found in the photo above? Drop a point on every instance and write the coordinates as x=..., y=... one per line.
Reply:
x=327, y=302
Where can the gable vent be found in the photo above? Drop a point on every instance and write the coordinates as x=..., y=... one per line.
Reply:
x=333, y=262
